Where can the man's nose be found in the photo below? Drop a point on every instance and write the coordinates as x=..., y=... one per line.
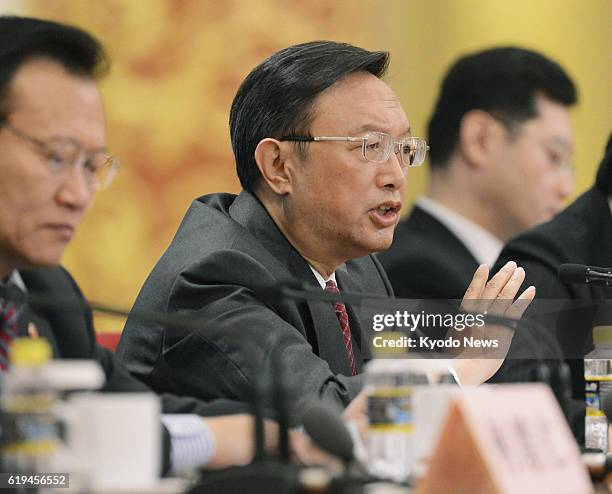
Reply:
x=393, y=172
x=75, y=191
x=566, y=182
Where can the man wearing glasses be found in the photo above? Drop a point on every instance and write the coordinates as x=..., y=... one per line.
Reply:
x=53, y=160
x=501, y=155
x=322, y=146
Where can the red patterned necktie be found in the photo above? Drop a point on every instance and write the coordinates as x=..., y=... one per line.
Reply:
x=9, y=314
x=330, y=286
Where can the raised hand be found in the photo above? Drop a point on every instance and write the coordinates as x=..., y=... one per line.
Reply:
x=495, y=297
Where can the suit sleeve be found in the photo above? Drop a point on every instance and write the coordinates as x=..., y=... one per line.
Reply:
x=243, y=343
x=119, y=380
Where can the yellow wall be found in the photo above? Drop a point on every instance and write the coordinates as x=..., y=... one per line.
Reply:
x=176, y=66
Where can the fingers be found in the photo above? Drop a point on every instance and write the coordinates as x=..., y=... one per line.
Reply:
x=507, y=293
x=470, y=302
x=516, y=310
x=496, y=295
x=477, y=285
x=499, y=281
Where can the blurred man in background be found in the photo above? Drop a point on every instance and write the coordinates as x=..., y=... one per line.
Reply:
x=581, y=234
x=501, y=146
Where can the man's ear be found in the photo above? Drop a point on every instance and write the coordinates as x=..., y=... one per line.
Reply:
x=479, y=137
x=274, y=162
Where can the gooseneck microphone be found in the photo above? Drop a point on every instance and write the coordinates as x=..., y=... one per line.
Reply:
x=328, y=432
x=299, y=290
x=579, y=274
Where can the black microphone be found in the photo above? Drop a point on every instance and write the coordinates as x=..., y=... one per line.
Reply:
x=327, y=430
x=579, y=274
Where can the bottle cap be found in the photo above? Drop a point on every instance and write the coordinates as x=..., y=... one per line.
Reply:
x=29, y=352
x=602, y=336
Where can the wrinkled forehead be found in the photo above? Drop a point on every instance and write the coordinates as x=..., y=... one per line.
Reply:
x=44, y=97
x=357, y=103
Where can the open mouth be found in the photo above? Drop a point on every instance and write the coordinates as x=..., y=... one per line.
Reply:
x=386, y=214
x=386, y=209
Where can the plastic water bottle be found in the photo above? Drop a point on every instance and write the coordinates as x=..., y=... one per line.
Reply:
x=390, y=446
x=598, y=382
x=30, y=432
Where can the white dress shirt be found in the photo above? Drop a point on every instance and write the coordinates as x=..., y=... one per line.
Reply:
x=482, y=244
x=322, y=281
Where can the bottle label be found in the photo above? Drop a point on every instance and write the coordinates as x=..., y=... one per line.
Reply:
x=391, y=433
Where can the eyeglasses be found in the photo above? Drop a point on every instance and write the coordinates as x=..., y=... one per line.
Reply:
x=63, y=153
x=378, y=146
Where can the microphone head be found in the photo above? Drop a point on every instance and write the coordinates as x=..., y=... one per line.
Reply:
x=327, y=430
x=573, y=273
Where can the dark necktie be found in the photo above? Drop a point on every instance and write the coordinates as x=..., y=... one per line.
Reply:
x=9, y=315
x=330, y=286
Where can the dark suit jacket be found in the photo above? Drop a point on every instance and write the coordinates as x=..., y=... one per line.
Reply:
x=426, y=260
x=226, y=248
x=581, y=234
x=66, y=322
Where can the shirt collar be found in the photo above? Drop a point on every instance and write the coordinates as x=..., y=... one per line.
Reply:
x=322, y=281
x=483, y=245
x=15, y=279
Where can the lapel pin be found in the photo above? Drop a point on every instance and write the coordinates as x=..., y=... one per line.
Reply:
x=32, y=330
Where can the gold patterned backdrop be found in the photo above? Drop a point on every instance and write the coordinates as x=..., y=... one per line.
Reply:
x=177, y=64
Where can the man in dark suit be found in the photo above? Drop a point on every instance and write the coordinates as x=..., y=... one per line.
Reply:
x=321, y=146
x=52, y=161
x=581, y=234
x=501, y=144
x=287, y=224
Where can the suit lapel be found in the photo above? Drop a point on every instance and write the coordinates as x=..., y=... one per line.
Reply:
x=66, y=323
x=324, y=334
x=31, y=325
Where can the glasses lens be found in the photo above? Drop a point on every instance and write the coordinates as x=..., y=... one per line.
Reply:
x=102, y=168
x=60, y=153
x=413, y=150
x=377, y=147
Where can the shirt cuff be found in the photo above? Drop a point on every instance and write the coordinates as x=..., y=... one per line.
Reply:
x=192, y=443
